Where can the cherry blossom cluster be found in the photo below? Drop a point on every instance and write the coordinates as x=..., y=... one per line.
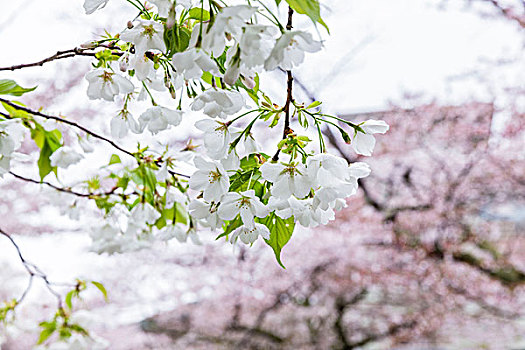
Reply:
x=207, y=59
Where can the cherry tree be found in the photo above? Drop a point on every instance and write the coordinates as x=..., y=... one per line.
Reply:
x=207, y=60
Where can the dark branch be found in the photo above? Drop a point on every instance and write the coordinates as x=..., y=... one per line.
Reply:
x=59, y=55
x=63, y=189
x=33, y=271
x=289, y=95
x=68, y=122
x=80, y=127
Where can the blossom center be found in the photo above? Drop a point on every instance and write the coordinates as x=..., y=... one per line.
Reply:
x=107, y=77
x=149, y=31
x=215, y=175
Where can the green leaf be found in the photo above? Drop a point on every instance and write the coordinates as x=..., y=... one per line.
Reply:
x=199, y=14
x=176, y=39
x=48, y=142
x=49, y=329
x=310, y=8
x=64, y=333
x=10, y=87
x=114, y=159
x=182, y=215
x=102, y=289
x=232, y=225
x=280, y=233
x=79, y=329
x=314, y=104
x=144, y=176
x=14, y=112
x=69, y=298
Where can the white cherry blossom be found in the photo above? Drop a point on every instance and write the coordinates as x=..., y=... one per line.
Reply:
x=218, y=103
x=144, y=213
x=11, y=136
x=364, y=143
x=307, y=215
x=182, y=237
x=256, y=44
x=217, y=137
x=143, y=66
x=5, y=165
x=64, y=157
x=122, y=123
x=231, y=162
x=164, y=6
x=357, y=170
x=303, y=210
x=192, y=62
x=249, y=234
x=329, y=174
x=84, y=143
x=174, y=195
x=169, y=232
x=146, y=35
x=210, y=178
x=105, y=84
x=91, y=6
x=230, y=20
x=287, y=179
x=158, y=118
x=326, y=169
x=246, y=203
x=289, y=50
x=206, y=212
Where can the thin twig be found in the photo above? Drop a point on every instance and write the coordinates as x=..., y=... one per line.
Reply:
x=63, y=189
x=289, y=96
x=80, y=127
x=65, y=121
x=33, y=271
x=57, y=56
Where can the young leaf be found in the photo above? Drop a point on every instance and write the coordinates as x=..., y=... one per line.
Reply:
x=10, y=87
x=310, y=8
x=280, y=233
x=48, y=142
x=199, y=14
x=48, y=329
x=114, y=159
x=102, y=289
x=14, y=112
x=69, y=298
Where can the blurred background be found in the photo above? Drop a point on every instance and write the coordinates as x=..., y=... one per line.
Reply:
x=429, y=255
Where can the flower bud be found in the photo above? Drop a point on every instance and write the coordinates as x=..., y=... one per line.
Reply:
x=123, y=66
x=173, y=93
x=88, y=45
x=124, y=63
x=129, y=25
x=249, y=82
x=171, y=20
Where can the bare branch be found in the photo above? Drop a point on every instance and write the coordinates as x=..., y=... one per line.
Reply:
x=80, y=127
x=61, y=55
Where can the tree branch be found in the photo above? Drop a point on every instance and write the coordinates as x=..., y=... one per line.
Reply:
x=68, y=122
x=63, y=189
x=289, y=96
x=33, y=271
x=80, y=127
x=60, y=55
